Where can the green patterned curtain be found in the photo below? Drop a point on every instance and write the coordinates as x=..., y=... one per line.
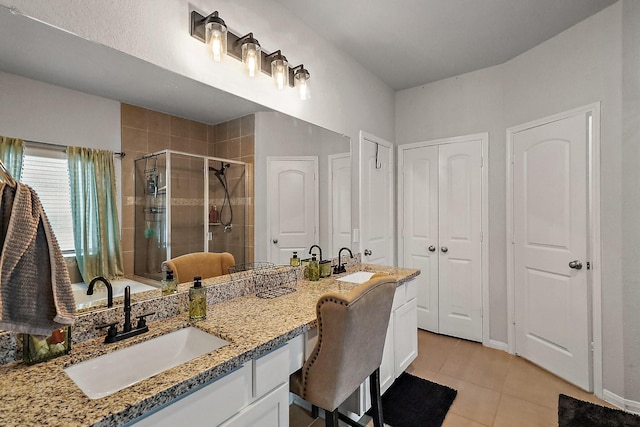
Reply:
x=96, y=231
x=11, y=150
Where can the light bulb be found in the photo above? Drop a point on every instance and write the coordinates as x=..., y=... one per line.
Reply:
x=251, y=56
x=216, y=37
x=301, y=81
x=216, y=49
x=251, y=64
x=280, y=71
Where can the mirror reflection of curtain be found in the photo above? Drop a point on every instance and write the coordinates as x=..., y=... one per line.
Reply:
x=95, y=217
x=11, y=152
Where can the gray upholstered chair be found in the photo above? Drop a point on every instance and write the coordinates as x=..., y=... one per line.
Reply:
x=203, y=264
x=351, y=333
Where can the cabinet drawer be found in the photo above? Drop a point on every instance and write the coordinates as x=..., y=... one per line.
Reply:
x=209, y=405
x=270, y=411
x=270, y=370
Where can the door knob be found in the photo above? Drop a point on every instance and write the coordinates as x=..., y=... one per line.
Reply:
x=576, y=264
x=367, y=252
x=275, y=241
x=444, y=249
x=432, y=248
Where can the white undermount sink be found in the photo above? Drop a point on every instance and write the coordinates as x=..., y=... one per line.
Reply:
x=115, y=371
x=357, y=277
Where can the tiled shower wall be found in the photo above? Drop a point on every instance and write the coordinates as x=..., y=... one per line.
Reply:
x=145, y=131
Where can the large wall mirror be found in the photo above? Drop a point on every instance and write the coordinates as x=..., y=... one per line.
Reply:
x=39, y=62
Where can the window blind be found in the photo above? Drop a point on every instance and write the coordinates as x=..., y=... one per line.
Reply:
x=47, y=172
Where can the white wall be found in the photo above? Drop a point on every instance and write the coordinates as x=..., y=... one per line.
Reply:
x=631, y=196
x=580, y=66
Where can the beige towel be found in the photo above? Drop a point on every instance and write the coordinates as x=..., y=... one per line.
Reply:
x=35, y=290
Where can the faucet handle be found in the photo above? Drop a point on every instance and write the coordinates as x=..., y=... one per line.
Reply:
x=142, y=321
x=112, y=331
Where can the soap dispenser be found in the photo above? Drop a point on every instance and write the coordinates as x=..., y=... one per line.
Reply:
x=169, y=284
x=294, y=260
x=314, y=269
x=197, y=300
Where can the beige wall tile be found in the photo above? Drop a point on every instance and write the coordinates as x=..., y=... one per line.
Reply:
x=158, y=141
x=198, y=131
x=233, y=129
x=180, y=127
x=134, y=139
x=248, y=125
x=134, y=117
x=158, y=122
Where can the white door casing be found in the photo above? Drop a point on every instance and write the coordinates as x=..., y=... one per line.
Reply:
x=552, y=217
x=443, y=222
x=376, y=200
x=339, y=202
x=292, y=198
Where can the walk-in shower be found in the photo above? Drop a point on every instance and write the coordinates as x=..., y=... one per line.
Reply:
x=173, y=196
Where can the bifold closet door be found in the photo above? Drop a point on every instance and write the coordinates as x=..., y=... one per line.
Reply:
x=442, y=201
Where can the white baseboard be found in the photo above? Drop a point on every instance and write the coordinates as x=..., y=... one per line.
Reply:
x=498, y=345
x=622, y=403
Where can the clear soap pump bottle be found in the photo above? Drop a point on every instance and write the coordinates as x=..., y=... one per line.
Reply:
x=197, y=300
x=169, y=284
x=294, y=260
x=314, y=269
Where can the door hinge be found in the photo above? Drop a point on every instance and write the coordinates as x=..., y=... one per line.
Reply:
x=481, y=162
x=592, y=346
x=588, y=265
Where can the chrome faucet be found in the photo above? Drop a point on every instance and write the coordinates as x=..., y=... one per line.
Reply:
x=340, y=267
x=319, y=248
x=127, y=332
x=108, y=286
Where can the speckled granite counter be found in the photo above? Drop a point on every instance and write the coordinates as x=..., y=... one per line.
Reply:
x=44, y=395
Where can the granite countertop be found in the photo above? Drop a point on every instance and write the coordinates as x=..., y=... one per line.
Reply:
x=43, y=394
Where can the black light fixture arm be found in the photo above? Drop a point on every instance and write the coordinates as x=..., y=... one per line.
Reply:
x=234, y=42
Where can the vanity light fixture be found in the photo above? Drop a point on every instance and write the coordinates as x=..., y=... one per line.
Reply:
x=301, y=81
x=216, y=36
x=221, y=42
x=251, y=54
x=279, y=69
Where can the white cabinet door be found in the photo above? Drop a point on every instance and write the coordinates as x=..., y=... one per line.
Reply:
x=270, y=411
x=405, y=336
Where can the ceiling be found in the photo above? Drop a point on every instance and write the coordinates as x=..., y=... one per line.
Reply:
x=407, y=43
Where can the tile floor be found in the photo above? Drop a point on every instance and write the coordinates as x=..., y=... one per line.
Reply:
x=494, y=388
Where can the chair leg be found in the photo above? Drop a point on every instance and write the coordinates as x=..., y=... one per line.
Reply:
x=331, y=418
x=315, y=413
x=376, y=399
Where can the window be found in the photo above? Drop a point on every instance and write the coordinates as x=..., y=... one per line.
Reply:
x=46, y=171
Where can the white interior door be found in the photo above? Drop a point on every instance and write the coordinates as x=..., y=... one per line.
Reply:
x=441, y=205
x=340, y=202
x=376, y=200
x=419, y=182
x=550, y=242
x=460, y=236
x=292, y=194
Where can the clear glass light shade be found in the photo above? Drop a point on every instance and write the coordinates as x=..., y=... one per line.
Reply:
x=280, y=72
x=301, y=82
x=251, y=57
x=216, y=37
